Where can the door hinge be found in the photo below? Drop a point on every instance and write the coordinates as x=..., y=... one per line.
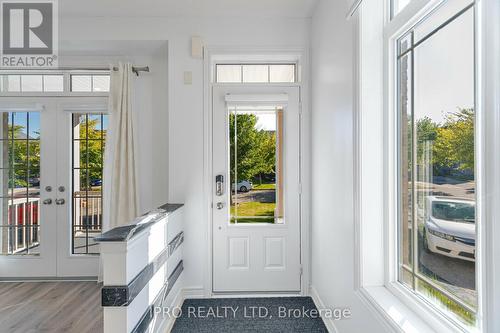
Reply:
x=301, y=270
x=300, y=188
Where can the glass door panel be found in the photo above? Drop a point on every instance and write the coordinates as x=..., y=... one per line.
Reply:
x=88, y=142
x=20, y=221
x=256, y=164
x=80, y=150
x=28, y=224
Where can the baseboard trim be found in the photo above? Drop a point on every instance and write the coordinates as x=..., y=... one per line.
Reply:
x=50, y=279
x=193, y=292
x=329, y=322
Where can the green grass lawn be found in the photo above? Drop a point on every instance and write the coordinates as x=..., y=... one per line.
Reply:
x=452, y=306
x=264, y=187
x=257, y=212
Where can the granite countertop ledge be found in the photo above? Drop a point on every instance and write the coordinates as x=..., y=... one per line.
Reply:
x=127, y=232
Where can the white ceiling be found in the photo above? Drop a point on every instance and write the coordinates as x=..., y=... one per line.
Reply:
x=186, y=8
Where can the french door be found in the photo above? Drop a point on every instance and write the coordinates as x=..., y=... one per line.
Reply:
x=256, y=199
x=50, y=186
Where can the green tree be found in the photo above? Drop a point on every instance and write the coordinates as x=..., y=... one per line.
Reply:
x=427, y=130
x=254, y=149
x=24, y=157
x=454, y=145
x=24, y=153
x=265, y=159
x=91, y=152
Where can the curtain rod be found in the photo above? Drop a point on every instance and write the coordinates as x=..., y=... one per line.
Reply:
x=353, y=8
x=135, y=69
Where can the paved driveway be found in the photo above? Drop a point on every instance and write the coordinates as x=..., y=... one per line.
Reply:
x=265, y=196
x=457, y=276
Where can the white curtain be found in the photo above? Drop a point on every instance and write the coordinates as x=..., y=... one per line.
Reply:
x=120, y=174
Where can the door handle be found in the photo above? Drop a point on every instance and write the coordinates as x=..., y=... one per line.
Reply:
x=219, y=185
x=60, y=201
x=47, y=201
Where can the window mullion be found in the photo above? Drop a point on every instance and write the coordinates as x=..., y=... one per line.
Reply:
x=414, y=238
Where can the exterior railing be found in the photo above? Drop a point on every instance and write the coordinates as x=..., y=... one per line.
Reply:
x=23, y=224
x=87, y=211
x=21, y=233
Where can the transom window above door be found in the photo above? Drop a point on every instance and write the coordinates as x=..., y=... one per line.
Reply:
x=54, y=82
x=256, y=73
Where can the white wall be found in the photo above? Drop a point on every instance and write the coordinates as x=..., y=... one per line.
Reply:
x=184, y=144
x=147, y=101
x=333, y=271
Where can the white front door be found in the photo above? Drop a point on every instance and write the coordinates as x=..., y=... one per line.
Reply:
x=256, y=196
x=51, y=200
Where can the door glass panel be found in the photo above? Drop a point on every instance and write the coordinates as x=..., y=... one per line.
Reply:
x=89, y=134
x=256, y=165
x=19, y=183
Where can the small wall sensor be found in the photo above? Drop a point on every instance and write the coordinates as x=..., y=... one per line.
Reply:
x=196, y=47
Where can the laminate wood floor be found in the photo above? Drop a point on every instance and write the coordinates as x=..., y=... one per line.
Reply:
x=33, y=307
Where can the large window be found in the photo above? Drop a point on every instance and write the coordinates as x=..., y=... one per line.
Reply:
x=437, y=183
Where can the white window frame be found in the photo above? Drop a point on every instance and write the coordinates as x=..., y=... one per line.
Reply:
x=375, y=165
